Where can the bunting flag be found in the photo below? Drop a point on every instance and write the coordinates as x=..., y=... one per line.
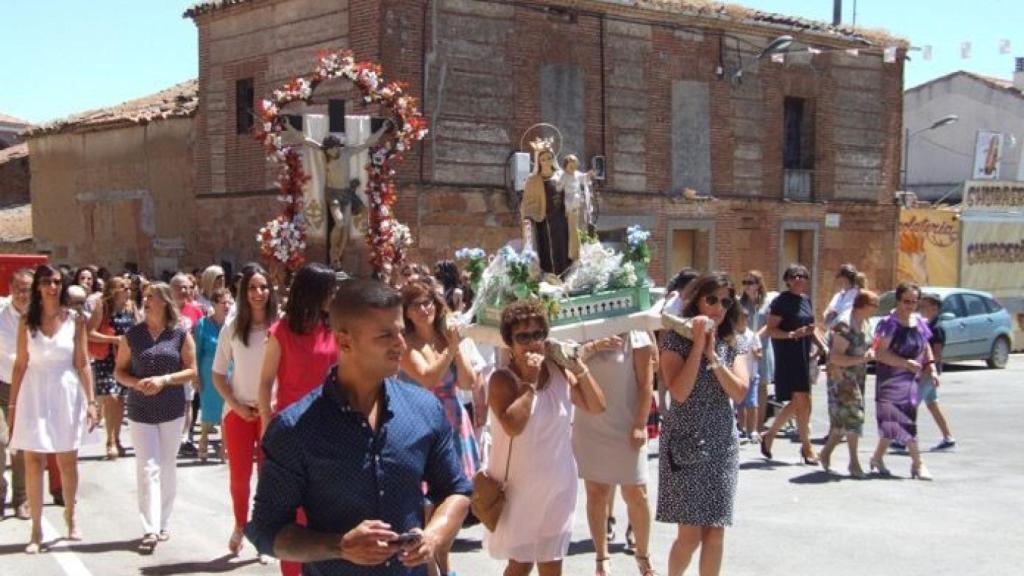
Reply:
x=853, y=51
x=965, y=50
x=813, y=50
x=779, y=57
x=889, y=54
x=1004, y=46
x=926, y=52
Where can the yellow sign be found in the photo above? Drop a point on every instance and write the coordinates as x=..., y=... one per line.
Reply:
x=993, y=256
x=929, y=243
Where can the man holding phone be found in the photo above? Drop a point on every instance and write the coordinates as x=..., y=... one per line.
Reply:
x=354, y=454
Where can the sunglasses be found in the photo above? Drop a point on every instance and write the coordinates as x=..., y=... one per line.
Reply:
x=750, y=282
x=524, y=338
x=799, y=277
x=711, y=300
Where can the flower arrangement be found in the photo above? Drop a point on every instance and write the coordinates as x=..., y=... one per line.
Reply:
x=623, y=277
x=476, y=263
x=387, y=238
x=637, y=249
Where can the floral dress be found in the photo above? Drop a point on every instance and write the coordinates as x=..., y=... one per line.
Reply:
x=103, y=368
x=846, y=384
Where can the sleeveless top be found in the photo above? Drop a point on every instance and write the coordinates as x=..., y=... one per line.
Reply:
x=155, y=358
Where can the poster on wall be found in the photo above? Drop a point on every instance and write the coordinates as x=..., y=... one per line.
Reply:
x=988, y=151
x=928, y=244
x=993, y=255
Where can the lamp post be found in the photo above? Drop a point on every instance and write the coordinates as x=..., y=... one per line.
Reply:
x=780, y=44
x=944, y=121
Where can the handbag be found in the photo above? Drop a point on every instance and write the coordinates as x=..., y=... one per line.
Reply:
x=488, y=498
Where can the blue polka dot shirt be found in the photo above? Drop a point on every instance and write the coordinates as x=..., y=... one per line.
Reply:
x=322, y=455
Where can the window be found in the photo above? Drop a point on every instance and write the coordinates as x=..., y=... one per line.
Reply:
x=690, y=248
x=245, y=103
x=975, y=305
x=992, y=305
x=954, y=305
x=798, y=149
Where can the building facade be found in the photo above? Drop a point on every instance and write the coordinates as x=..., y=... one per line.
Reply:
x=115, y=186
x=943, y=158
x=786, y=161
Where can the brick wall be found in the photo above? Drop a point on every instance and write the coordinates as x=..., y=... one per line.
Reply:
x=477, y=67
x=14, y=181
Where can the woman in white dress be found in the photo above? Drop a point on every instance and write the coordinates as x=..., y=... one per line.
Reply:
x=51, y=395
x=532, y=403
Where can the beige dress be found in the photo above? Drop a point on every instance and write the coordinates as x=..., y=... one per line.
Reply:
x=601, y=442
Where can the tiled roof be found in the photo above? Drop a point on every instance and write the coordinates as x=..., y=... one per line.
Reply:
x=13, y=152
x=178, y=101
x=5, y=119
x=991, y=81
x=707, y=8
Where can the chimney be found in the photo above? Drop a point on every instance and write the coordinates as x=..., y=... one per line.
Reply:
x=837, y=12
x=1018, y=74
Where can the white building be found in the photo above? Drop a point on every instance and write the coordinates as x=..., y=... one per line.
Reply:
x=942, y=158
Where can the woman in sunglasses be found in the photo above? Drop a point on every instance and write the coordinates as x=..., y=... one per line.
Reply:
x=755, y=300
x=532, y=402
x=699, y=457
x=904, y=357
x=791, y=328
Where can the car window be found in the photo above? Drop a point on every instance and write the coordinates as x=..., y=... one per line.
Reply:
x=992, y=305
x=954, y=306
x=886, y=302
x=975, y=305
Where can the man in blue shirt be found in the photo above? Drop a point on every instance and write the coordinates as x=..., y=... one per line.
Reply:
x=354, y=454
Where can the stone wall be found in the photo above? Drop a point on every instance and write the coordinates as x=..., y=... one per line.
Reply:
x=117, y=195
x=14, y=181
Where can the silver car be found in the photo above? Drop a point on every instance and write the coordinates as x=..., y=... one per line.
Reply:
x=977, y=326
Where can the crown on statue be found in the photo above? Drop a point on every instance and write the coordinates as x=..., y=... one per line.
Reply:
x=542, y=144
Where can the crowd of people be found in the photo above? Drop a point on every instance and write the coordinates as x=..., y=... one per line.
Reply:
x=368, y=414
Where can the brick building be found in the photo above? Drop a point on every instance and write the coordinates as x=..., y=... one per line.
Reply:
x=794, y=160
x=115, y=185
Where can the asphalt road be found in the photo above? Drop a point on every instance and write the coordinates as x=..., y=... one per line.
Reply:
x=790, y=518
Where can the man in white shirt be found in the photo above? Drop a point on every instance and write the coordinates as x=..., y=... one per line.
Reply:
x=11, y=310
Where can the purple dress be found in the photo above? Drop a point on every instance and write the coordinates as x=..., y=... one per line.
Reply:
x=896, y=388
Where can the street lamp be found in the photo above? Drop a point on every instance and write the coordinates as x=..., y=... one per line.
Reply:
x=780, y=44
x=944, y=121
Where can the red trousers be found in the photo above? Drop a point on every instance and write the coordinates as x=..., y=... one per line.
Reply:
x=56, y=488
x=242, y=441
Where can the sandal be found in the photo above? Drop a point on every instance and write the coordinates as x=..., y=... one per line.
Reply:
x=601, y=567
x=644, y=564
x=164, y=535
x=148, y=544
x=235, y=542
x=112, y=452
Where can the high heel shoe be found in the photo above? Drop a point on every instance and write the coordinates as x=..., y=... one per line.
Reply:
x=643, y=563
x=856, y=471
x=766, y=450
x=920, y=472
x=880, y=467
x=811, y=460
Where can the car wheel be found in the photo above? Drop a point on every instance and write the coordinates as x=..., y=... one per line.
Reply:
x=1000, y=354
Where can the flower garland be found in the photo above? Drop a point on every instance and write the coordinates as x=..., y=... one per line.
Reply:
x=284, y=237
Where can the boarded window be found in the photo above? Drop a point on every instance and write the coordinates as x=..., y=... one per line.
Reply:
x=245, y=103
x=561, y=104
x=691, y=137
x=798, y=147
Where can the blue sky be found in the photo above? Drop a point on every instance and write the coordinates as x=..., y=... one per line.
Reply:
x=66, y=56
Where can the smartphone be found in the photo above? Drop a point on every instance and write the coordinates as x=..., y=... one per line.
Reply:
x=407, y=539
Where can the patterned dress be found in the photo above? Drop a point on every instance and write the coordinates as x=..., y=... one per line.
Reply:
x=896, y=388
x=103, y=368
x=846, y=385
x=462, y=427
x=699, y=455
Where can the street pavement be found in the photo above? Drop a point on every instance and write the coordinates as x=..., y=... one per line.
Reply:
x=790, y=518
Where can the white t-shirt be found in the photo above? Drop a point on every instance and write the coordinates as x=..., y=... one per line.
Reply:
x=752, y=343
x=9, y=318
x=245, y=362
x=841, y=303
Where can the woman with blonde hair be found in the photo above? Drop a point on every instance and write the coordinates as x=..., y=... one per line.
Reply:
x=210, y=281
x=155, y=358
x=112, y=317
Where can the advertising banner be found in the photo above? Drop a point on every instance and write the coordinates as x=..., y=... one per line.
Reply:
x=993, y=196
x=993, y=255
x=988, y=152
x=929, y=243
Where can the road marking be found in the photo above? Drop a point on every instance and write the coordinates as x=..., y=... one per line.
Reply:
x=69, y=562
